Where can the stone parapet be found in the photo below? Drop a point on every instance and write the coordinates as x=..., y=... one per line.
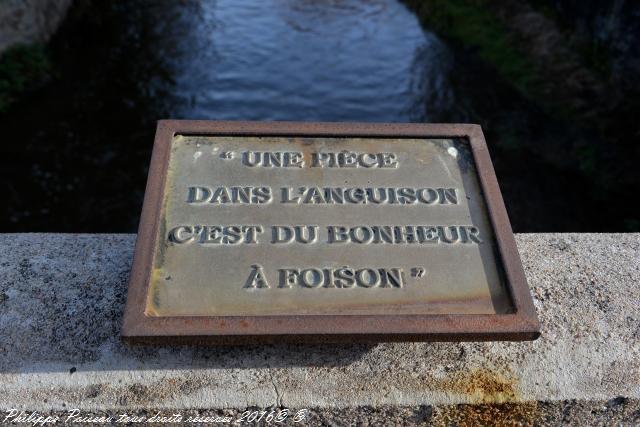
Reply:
x=62, y=298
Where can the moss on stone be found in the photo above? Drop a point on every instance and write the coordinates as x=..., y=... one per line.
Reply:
x=473, y=24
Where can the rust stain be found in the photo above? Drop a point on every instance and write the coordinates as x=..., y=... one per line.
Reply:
x=307, y=146
x=482, y=386
x=154, y=306
x=493, y=401
x=306, y=154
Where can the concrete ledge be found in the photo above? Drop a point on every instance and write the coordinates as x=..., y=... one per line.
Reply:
x=62, y=298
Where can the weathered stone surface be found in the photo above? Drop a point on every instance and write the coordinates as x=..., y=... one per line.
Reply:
x=62, y=297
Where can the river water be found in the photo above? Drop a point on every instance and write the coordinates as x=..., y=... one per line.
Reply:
x=301, y=60
x=77, y=149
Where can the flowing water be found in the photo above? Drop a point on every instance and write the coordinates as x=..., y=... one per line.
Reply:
x=75, y=152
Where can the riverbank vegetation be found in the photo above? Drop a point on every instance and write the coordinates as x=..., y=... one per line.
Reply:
x=473, y=24
x=557, y=104
x=22, y=69
x=530, y=48
x=565, y=97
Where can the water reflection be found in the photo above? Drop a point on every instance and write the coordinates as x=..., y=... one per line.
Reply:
x=76, y=151
x=432, y=94
x=292, y=60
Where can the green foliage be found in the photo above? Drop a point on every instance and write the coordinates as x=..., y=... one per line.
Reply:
x=595, y=54
x=21, y=68
x=474, y=25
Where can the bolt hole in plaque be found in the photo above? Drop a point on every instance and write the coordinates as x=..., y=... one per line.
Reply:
x=324, y=232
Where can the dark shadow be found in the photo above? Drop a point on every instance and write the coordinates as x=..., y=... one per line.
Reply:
x=489, y=254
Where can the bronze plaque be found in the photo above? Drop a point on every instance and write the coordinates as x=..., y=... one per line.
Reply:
x=270, y=231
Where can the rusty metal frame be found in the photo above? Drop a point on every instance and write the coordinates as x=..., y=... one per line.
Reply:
x=522, y=324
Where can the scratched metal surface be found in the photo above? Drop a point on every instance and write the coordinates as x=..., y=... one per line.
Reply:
x=209, y=280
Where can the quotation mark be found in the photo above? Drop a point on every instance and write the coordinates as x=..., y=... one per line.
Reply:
x=226, y=155
x=417, y=272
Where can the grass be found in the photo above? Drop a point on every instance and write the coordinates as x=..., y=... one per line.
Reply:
x=22, y=68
